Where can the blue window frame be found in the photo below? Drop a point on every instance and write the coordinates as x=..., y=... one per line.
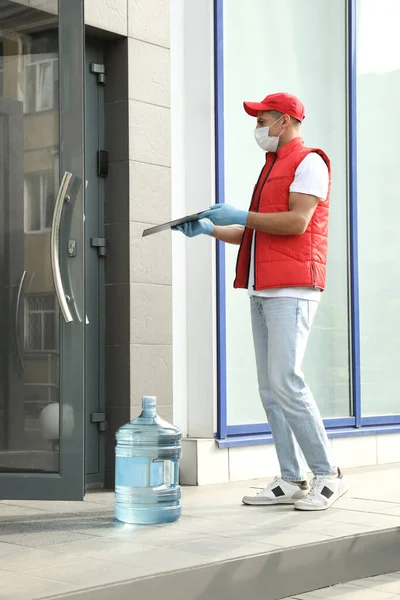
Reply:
x=260, y=433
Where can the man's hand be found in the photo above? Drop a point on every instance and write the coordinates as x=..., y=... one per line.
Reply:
x=225, y=214
x=195, y=228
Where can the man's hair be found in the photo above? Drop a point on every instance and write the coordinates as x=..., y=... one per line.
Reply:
x=277, y=115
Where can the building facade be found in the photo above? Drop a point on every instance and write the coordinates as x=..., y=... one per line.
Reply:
x=120, y=114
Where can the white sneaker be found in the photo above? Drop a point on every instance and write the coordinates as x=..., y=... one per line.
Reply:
x=324, y=491
x=278, y=492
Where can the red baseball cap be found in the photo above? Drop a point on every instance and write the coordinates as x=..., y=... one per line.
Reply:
x=283, y=103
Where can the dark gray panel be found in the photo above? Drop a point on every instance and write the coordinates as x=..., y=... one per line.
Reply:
x=117, y=265
x=117, y=315
x=116, y=60
x=117, y=130
x=109, y=479
x=116, y=418
x=117, y=376
x=117, y=193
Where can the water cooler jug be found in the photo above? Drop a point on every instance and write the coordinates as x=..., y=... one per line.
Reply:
x=147, y=457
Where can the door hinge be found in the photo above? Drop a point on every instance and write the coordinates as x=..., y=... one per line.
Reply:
x=100, y=71
x=100, y=419
x=101, y=245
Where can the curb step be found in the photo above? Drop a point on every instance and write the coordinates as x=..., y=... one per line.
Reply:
x=272, y=576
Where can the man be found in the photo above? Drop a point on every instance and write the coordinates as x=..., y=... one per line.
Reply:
x=282, y=263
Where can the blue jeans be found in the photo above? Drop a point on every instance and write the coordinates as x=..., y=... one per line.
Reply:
x=281, y=327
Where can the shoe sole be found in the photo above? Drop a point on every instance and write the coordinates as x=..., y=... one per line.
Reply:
x=319, y=508
x=263, y=502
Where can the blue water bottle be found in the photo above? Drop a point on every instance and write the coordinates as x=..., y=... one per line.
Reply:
x=147, y=457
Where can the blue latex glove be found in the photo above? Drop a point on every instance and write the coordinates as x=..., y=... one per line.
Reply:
x=225, y=214
x=195, y=228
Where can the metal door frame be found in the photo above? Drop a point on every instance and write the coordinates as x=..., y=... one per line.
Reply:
x=69, y=482
x=95, y=300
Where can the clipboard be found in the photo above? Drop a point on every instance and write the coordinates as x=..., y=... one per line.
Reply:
x=169, y=224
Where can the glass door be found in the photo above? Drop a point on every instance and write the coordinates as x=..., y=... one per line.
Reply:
x=42, y=305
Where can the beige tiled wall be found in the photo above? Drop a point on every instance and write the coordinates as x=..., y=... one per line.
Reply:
x=148, y=20
x=138, y=195
x=110, y=15
x=203, y=463
x=150, y=202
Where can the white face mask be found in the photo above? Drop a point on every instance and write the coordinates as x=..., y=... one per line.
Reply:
x=268, y=143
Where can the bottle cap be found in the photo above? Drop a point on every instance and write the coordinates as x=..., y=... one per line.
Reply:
x=149, y=401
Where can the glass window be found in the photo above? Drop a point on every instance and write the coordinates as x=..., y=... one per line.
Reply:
x=298, y=47
x=41, y=323
x=39, y=200
x=41, y=75
x=378, y=93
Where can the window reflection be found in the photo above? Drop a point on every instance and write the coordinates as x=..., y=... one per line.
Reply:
x=29, y=164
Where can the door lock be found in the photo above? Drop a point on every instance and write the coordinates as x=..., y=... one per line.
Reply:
x=71, y=248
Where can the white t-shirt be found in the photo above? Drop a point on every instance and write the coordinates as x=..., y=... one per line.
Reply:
x=312, y=178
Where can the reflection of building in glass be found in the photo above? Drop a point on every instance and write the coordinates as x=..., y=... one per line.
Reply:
x=41, y=333
x=41, y=75
x=29, y=79
x=39, y=198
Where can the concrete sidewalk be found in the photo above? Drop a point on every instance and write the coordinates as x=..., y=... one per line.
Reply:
x=53, y=548
x=382, y=587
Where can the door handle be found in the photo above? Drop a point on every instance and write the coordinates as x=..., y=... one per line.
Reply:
x=61, y=199
x=16, y=324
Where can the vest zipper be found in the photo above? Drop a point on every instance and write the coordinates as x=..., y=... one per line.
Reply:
x=255, y=231
x=241, y=242
x=258, y=204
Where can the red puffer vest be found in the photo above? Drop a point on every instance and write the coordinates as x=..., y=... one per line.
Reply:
x=284, y=260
